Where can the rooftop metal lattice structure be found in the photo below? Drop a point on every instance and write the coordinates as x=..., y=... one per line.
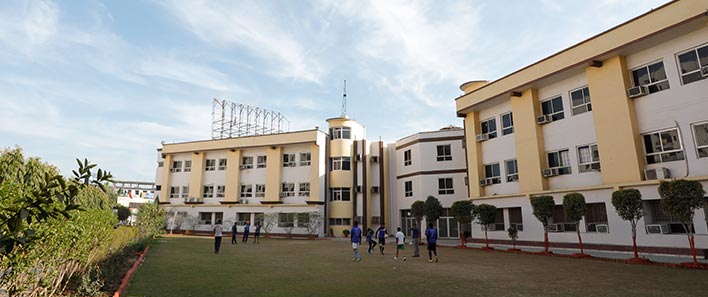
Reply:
x=229, y=119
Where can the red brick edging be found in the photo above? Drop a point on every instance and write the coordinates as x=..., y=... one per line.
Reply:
x=129, y=275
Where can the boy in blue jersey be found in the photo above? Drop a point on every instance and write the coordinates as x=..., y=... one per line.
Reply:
x=356, y=240
x=432, y=236
x=381, y=234
x=370, y=240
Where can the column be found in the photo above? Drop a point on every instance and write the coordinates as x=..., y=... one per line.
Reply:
x=528, y=137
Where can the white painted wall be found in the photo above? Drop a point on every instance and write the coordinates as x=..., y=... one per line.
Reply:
x=499, y=149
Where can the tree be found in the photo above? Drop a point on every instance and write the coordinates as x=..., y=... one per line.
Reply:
x=432, y=209
x=123, y=213
x=418, y=212
x=463, y=211
x=313, y=223
x=574, y=208
x=513, y=234
x=543, y=211
x=189, y=223
x=150, y=220
x=487, y=215
x=681, y=198
x=269, y=221
x=628, y=204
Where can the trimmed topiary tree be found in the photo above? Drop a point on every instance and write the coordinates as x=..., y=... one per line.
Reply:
x=681, y=198
x=418, y=212
x=574, y=209
x=433, y=209
x=463, y=211
x=628, y=204
x=513, y=234
x=486, y=214
x=543, y=211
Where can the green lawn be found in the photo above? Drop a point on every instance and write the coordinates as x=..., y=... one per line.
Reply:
x=184, y=266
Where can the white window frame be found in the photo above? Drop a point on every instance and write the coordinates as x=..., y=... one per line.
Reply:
x=286, y=219
x=407, y=160
x=220, y=191
x=491, y=124
x=338, y=163
x=341, y=132
x=446, y=190
x=651, y=83
x=187, y=166
x=260, y=190
x=246, y=162
x=506, y=130
x=222, y=164
x=210, y=165
x=698, y=60
x=185, y=192
x=561, y=166
x=304, y=189
x=495, y=179
x=408, y=188
x=208, y=191
x=174, y=192
x=560, y=114
x=287, y=190
x=587, y=166
x=261, y=161
x=446, y=156
x=586, y=106
x=305, y=159
x=337, y=194
x=289, y=160
x=176, y=166
x=661, y=158
x=208, y=221
x=246, y=191
x=507, y=167
x=695, y=139
x=303, y=219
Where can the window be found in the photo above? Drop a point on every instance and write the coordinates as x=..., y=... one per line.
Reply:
x=588, y=158
x=691, y=62
x=304, y=190
x=220, y=191
x=210, y=165
x=242, y=217
x=507, y=123
x=444, y=153
x=288, y=160
x=177, y=166
x=160, y=164
x=340, y=133
x=407, y=158
x=187, y=166
x=492, y=173
x=580, y=101
x=663, y=146
x=512, y=170
x=656, y=215
x=409, y=188
x=303, y=219
x=185, y=192
x=259, y=217
x=559, y=160
x=286, y=220
x=652, y=76
x=246, y=191
x=287, y=190
x=595, y=214
x=208, y=192
x=445, y=186
x=341, y=163
x=700, y=132
x=260, y=190
x=305, y=159
x=340, y=194
x=247, y=162
x=340, y=222
x=515, y=218
x=489, y=127
x=222, y=164
x=498, y=221
x=553, y=107
x=219, y=217
x=261, y=161
x=205, y=218
x=158, y=187
x=559, y=223
x=174, y=192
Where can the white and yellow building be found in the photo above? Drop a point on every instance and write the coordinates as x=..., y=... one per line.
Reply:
x=623, y=109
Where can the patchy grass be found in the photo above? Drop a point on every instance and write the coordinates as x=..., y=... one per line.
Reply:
x=187, y=266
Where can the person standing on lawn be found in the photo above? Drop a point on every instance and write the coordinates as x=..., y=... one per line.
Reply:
x=257, y=235
x=246, y=230
x=431, y=235
x=370, y=240
x=356, y=240
x=381, y=234
x=217, y=236
x=234, y=230
x=415, y=232
x=400, y=243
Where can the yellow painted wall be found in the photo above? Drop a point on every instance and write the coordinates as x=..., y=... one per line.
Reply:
x=475, y=169
x=314, y=172
x=528, y=138
x=616, y=129
x=341, y=209
x=341, y=178
x=166, y=178
x=243, y=142
x=233, y=175
x=340, y=148
x=274, y=170
x=196, y=176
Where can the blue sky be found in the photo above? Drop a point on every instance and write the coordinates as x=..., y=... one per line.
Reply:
x=109, y=80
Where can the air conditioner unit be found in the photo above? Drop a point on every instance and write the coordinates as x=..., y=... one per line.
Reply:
x=283, y=195
x=595, y=166
x=637, y=91
x=704, y=71
x=550, y=172
x=602, y=228
x=519, y=227
x=244, y=167
x=290, y=164
x=357, y=157
x=552, y=228
x=657, y=173
x=483, y=182
x=512, y=178
x=358, y=189
x=658, y=229
x=243, y=201
x=374, y=159
x=481, y=137
x=375, y=189
x=544, y=119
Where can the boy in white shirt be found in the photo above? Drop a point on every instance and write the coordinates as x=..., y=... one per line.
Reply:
x=400, y=243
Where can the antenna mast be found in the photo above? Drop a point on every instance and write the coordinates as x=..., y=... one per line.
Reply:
x=344, y=99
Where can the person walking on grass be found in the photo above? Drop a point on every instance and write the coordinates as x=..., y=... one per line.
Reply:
x=431, y=235
x=381, y=234
x=415, y=232
x=356, y=240
x=234, y=230
x=246, y=230
x=257, y=235
x=217, y=236
x=370, y=240
x=400, y=244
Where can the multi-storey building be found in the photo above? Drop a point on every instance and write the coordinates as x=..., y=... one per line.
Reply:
x=623, y=109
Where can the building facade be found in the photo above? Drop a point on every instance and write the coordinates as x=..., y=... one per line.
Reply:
x=623, y=109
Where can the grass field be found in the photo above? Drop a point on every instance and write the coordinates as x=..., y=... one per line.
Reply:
x=187, y=266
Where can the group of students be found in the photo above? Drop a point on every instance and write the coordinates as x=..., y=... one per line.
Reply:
x=381, y=233
x=218, y=233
